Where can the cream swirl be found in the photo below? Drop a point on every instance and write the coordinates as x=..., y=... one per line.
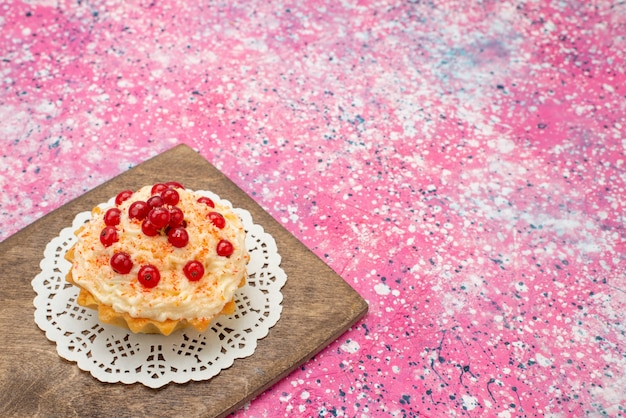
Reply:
x=175, y=297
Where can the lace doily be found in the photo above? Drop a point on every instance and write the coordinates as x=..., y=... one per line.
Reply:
x=113, y=354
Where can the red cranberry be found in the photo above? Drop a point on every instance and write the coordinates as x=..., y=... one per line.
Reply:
x=174, y=185
x=158, y=188
x=149, y=276
x=138, y=210
x=155, y=202
x=177, y=217
x=112, y=217
x=122, y=196
x=207, y=201
x=178, y=237
x=225, y=248
x=148, y=229
x=217, y=219
x=108, y=236
x=121, y=263
x=194, y=270
x=159, y=217
x=170, y=197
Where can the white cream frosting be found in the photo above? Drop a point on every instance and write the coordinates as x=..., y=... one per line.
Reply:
x=175, y=296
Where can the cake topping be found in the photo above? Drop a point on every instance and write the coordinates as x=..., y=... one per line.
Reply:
x=194, y=270
x=121, y=263
x=177, y=217
x=138, y=210
x=170, y=196
x=149, y=276
x=207, y=201
x=108, y=236
x=217, y=219
x=159, y=217
x=224, y=248
x=174, y=184
x=122, y=196
x=148, y=228
x=178, y=237
x=112, y=217
x=156, y=202
x=158, y=188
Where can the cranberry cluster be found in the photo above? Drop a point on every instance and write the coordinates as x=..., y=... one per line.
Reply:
x=224, y=247
x=159, y=215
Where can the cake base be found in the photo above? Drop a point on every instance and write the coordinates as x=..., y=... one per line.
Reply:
x=107, y=315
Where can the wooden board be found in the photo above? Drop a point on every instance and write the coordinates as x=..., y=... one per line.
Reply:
x=318, y=307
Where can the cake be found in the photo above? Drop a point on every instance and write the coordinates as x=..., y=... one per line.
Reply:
x=159, y=259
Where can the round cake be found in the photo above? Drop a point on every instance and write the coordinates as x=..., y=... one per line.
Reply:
x=160, y=259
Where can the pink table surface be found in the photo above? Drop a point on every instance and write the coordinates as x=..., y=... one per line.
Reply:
x=460, y=164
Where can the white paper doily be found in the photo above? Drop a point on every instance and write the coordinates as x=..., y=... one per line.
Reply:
x=112, y=354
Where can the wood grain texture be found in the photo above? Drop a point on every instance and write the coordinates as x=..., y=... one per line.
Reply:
x=35, y=381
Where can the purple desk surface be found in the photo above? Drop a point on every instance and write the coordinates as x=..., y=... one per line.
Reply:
x=460, y=164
